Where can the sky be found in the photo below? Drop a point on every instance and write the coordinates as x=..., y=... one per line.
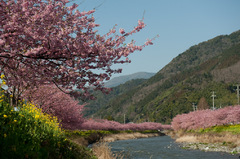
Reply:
x=180, y=24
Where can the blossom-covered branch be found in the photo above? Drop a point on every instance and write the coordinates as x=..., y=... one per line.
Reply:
x=47, y=42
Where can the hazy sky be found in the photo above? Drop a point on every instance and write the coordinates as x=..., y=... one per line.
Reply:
x=180, y=24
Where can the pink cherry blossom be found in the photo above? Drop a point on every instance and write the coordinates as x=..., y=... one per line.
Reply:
x=207, y=118
x=1, y=42
x=50, y=42
x=53, y=101
x=122, y=31
x=100, y=124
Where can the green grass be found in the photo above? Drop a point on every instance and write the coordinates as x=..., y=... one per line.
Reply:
x=234, y=129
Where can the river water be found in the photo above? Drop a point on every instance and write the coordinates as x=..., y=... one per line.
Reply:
x=162, y=147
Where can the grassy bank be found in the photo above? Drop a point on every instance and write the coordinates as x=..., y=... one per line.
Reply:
x=92, y=136
x=217, y=138
x=234, y=129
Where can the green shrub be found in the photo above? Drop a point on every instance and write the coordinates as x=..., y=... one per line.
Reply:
x=29, y=133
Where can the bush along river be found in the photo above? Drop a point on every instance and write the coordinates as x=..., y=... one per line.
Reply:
x=163, y=147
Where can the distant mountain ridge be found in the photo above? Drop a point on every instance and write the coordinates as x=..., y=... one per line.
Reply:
x=122, y=79
x=210, y=66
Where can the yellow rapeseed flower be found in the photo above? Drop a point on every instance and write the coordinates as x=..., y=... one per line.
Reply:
x=5, y=116
x=36, y=116
x=3, y=82
x=2, y=76
x=5, y=135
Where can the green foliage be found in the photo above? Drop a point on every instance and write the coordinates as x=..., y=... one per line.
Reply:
x=234, y=129
x=229, y=57
x=28, y=133
x=116, y=94
x=86, y=133
x=126, y=78
x=155, y=78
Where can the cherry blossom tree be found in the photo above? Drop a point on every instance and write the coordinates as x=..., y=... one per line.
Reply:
x=113, y=125
x=50, y=42
x=207, y=118
x=53, y=101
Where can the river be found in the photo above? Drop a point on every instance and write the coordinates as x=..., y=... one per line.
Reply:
x=162, y=147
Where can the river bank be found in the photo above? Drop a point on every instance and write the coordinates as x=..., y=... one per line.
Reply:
x=218, y=142
x=161, y=147
x=128, y=136
x=222, y=142
x=99, y=142
x=97, y=137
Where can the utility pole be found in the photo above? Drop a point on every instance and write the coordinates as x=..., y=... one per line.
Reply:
x=238, y=93
x=193, y=105
x=124, y=119
x=213, y=96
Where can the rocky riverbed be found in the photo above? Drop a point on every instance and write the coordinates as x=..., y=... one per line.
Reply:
x=209, y=142
x=217, y=147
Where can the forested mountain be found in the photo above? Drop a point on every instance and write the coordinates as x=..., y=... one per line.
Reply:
x=122, y=85
x=122, y=79
x=189, y=78
x=94, y=106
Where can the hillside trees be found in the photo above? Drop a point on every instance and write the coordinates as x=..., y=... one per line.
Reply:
x=202, y=104
x=49, y=42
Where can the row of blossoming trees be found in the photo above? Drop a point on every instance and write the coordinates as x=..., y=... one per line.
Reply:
x=207, y=118
x=113, y=125
x=55, y=102
x=48, y=49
